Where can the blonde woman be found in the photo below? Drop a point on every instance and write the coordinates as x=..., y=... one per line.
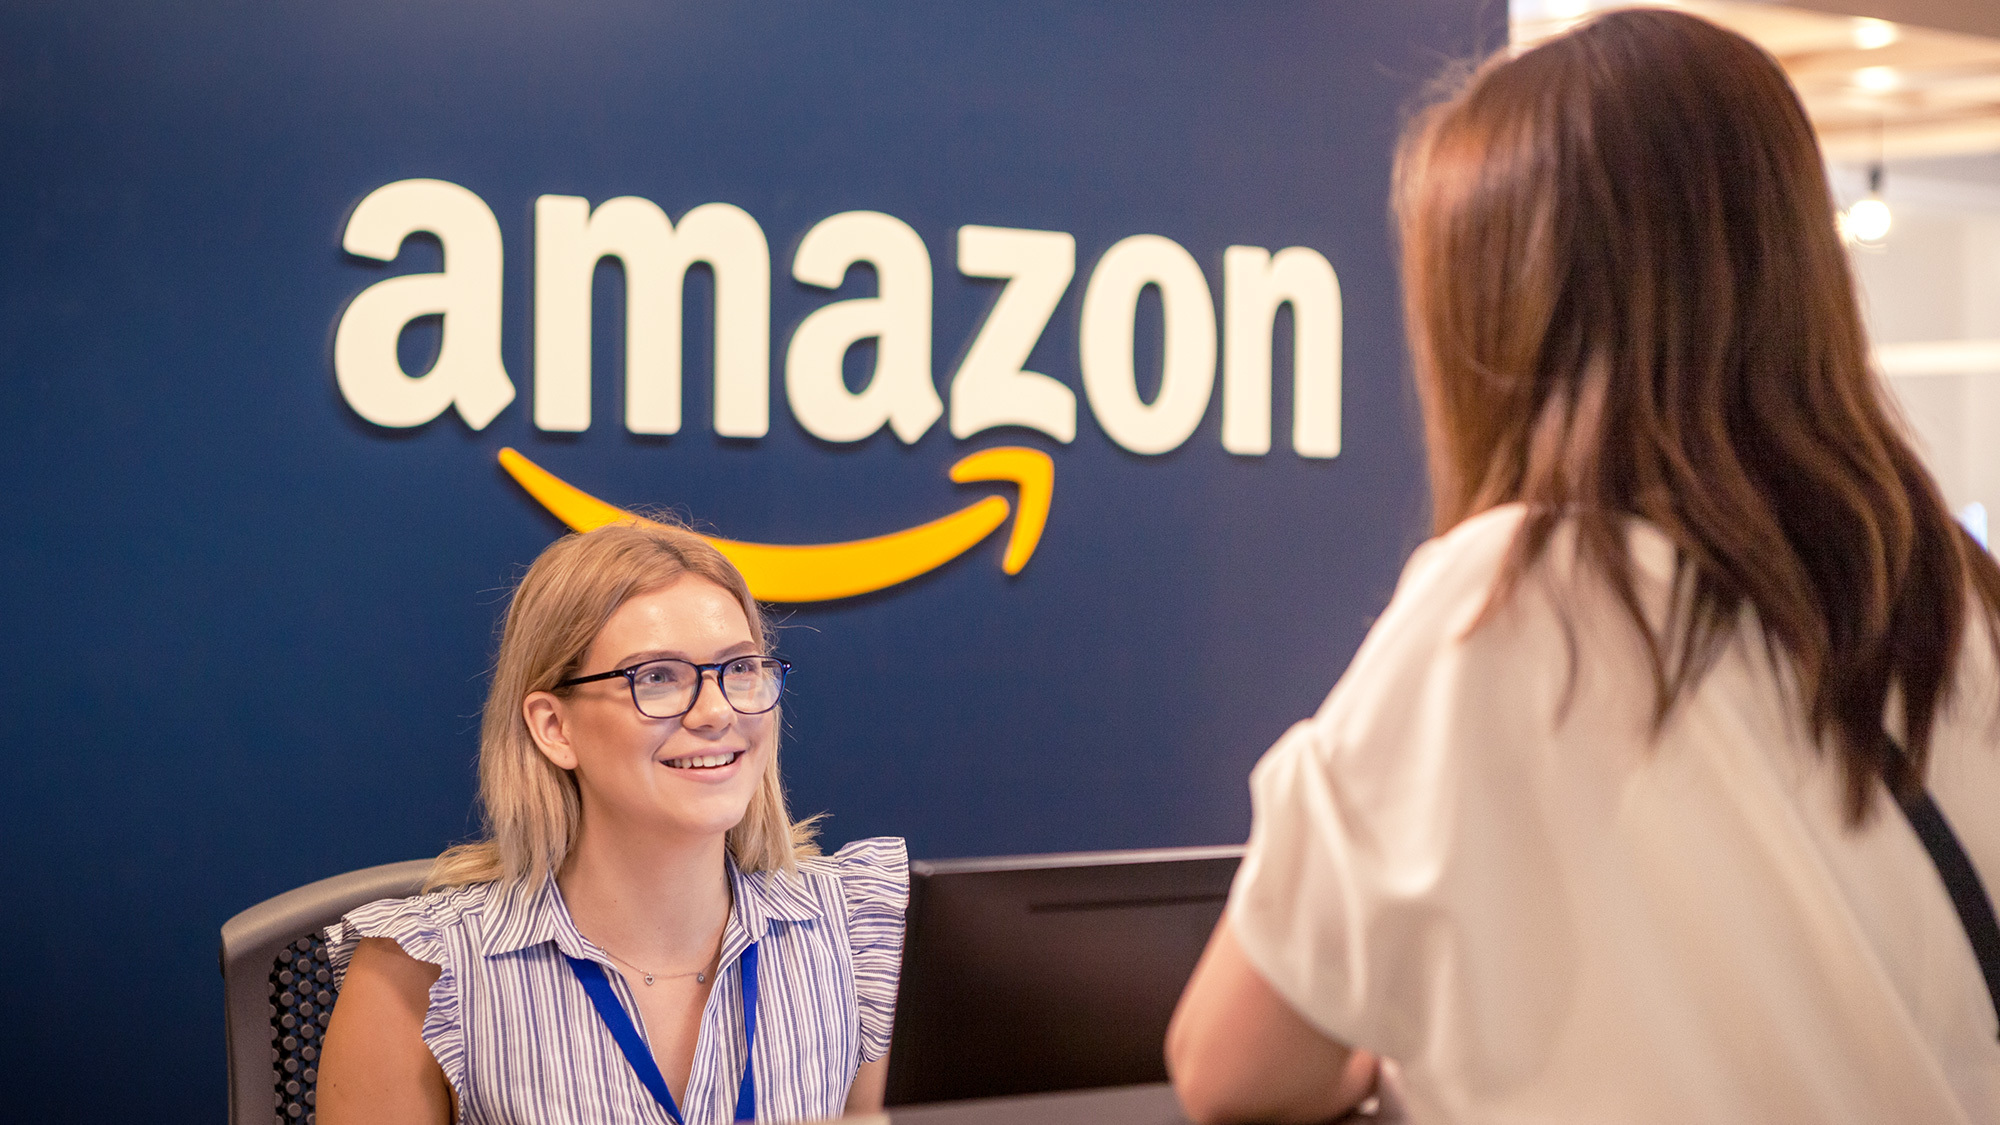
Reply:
x=644, y=934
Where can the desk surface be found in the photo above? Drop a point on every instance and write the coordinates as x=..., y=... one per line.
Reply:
x=1119, y=1105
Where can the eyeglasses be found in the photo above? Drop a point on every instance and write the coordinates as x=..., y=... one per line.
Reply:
x=667, y=688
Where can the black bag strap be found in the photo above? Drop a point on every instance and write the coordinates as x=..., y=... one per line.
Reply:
x=1961, y=880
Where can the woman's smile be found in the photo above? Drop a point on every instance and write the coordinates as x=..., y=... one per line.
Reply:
x=712, y=762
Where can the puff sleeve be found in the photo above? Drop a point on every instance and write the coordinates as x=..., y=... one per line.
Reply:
x=1399, y=863
x=875, y=882
x=414, y=925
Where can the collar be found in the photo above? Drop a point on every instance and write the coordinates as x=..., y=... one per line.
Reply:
x=529, y=913
x=764, y=897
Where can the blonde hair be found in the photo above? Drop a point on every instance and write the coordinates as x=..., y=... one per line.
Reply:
x=530, y=805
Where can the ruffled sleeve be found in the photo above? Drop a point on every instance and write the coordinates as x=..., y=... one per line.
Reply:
x=1426, y=851
x=1406, y=813
x=418, y=926
x=875, y=880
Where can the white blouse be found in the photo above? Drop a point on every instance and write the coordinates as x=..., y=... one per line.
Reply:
x=1545, y=914
x=521, y=1044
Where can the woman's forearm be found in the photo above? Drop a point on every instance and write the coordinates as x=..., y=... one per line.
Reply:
x=1237, y=1052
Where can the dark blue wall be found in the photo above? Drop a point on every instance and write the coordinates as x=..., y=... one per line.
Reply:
x=246, y=631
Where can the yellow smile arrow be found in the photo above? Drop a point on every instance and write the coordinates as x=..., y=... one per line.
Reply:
x=821, y=572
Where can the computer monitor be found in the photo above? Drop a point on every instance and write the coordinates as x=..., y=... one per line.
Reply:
x=1027, y=974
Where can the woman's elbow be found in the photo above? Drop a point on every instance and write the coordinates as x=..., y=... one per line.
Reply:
x=1209, y=1097
x=1203, y=1100
x=1197, y=1084
x=1218, y=1083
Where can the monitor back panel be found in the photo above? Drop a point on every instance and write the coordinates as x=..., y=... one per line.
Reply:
x=1038, y=973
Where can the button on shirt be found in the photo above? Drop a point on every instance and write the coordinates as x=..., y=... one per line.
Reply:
x=520, y=1043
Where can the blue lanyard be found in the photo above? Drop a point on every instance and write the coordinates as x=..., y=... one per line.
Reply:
x=591, y=975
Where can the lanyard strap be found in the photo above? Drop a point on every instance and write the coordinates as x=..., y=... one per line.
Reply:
x=591, y=975
x=1961, y=881
x=746, y=1094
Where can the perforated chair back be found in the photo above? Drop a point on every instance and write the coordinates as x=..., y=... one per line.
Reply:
x=277, y=989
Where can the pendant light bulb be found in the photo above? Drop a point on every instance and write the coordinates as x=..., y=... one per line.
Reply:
x=1868, y=221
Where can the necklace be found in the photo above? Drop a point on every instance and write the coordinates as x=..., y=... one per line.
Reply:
x=700, y=975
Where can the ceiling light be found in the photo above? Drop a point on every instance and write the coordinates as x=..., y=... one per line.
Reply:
x=1871, y=33
x=1878, y=79
x=1867, y=222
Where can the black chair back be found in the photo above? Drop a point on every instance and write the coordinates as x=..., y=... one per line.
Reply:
x=277, y=989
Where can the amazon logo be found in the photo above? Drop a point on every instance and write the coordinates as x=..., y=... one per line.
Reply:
x=990, y=388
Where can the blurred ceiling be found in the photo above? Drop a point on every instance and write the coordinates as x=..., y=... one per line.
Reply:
x=1875, y=88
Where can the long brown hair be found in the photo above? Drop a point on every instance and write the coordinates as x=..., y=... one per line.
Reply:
x=1625, y=296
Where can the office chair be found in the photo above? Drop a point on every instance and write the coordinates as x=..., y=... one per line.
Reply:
x=277, y=989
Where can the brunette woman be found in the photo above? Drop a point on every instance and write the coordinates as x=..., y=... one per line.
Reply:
x=1602, y=823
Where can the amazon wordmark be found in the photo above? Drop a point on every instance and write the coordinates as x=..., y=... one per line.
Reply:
x=990, y=388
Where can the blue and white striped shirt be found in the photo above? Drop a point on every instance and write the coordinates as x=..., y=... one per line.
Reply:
x=521, y=1045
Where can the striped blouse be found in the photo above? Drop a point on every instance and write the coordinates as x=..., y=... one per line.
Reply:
x=521, y=1045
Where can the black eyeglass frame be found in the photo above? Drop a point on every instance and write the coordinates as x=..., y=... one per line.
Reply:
x=631, y=674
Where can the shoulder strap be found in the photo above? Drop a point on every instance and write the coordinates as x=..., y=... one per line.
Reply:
x=1961, y=881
